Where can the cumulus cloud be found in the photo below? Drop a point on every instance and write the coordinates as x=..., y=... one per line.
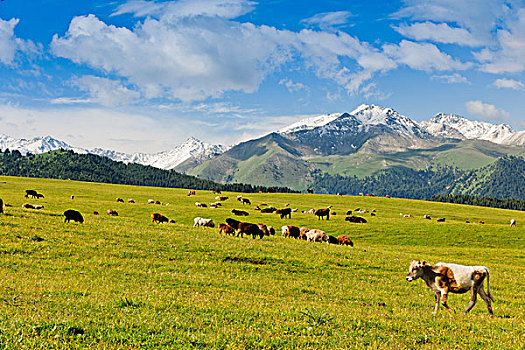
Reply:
x=10, y=44
x=454, y=78
x=107, y=92
x=423, y=56
x=486, y=111
x=508, y=84
x=439, y=33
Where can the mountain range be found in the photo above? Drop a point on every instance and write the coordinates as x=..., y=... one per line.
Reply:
x=190, y=149
x=360, y=143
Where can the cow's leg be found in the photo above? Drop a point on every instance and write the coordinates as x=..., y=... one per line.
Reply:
x=438, y=296
x=473, y=298
x=486, y=299
x=444, y=295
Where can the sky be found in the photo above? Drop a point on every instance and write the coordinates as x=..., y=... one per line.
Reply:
x=143, y=76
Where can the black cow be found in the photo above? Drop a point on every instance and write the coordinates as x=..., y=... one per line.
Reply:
x=73, y=215
x=33, y=194
x=233, y=223
x=356, y=219
x=284, y=212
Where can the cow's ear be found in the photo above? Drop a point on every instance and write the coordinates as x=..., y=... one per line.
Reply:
x=424, y=262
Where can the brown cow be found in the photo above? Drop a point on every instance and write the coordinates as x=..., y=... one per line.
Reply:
x=445, y=278
x=226, y=229
x=240, y=212
x=233, y=223
x=158, y=218
x=356, y=219
x=302, y=232
x=343, y=240
x=321, y=213
x=268, y=210
x=249, y=229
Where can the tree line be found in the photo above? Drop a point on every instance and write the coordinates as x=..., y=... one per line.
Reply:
x=65, y=164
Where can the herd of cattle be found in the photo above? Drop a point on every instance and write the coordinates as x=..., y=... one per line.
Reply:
x=442, y=278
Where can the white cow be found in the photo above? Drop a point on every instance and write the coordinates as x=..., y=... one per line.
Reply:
x=198, y=221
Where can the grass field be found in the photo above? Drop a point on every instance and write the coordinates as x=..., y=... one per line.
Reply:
x=124, y=282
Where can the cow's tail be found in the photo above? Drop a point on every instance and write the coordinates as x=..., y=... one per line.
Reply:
x=488, y=285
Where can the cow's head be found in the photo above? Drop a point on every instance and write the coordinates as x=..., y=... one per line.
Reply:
x=415, y=270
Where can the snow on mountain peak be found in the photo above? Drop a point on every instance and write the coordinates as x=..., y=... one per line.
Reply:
x=453, y=125
x=192, y=147
x=309, y=123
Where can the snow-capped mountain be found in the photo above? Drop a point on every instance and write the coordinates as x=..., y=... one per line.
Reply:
x=376, y=115
x=191, y=148
x=35, y=145
x=455, y=126
x=309, y=123
x=516, y=139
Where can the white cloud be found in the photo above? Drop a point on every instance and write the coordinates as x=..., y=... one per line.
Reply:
x=186, y=8
x=292, y=86
x=104, y=91
x=10, y=44
x=423, y=56
x=439, y=33
x=486, y=111
x=454, y=78
x=508, y=84
x=328, y=20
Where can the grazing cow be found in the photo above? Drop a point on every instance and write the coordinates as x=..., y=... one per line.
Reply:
x=309, y=190
x=221, y=198
x=191, y=193
x=158, y=218
x=427, y=217
x=226, y=229
x=120, y=200
x=481, y=222
x=302, y=232
x=158, y=202
x=201, y=205
x=316, y=235
x=198, y=221
x=290, y=231
x=445, y=278
x=172, y=221
x=249, y=229
x=239, y=198
x=512, y=222
x=245, y=201
x=33, y=194
x=343, y=240
x=240, y=212
x=112, y=212
x=268, y=210
x=284, y=212
x=74, y=215
x=256, y=208
x=95, y=213
x=264, y=229
x=217, y=191
x=440, y=219
x=233, y=223
x=151, y=201
x=72, y=197
x=27, y=206
x=356, y=219
x=332, y=240
x=271, y=230
x=321, y=213
x=131, y=201
x=349, y=212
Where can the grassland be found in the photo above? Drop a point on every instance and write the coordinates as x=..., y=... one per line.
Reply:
x=124, y=282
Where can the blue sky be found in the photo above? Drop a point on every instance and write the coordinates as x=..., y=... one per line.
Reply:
x=141, y=75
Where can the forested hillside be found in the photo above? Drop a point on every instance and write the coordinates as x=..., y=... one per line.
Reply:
x=89, y=167
x=502, y=179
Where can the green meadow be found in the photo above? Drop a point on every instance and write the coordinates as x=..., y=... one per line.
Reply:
x=127, y=283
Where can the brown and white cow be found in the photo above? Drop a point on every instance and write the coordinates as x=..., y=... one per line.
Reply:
x=444, y=278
